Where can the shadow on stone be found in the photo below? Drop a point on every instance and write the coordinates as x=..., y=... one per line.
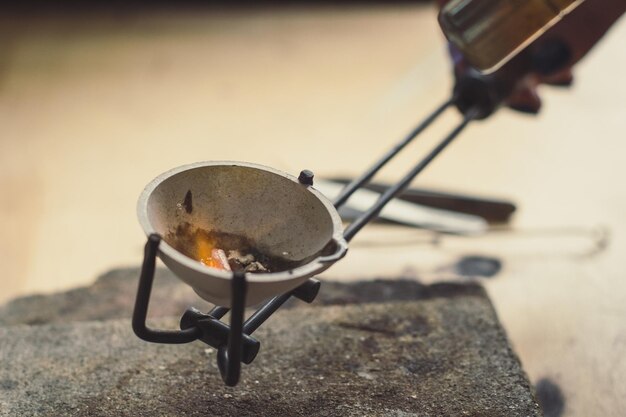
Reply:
x=550, y=398
x=113, y=295
x=478, y=266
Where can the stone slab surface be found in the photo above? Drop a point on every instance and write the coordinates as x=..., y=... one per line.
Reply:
x=111, y=296
x=443, y=354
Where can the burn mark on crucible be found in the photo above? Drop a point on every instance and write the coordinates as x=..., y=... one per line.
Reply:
x=188, y=202
x=217, y=249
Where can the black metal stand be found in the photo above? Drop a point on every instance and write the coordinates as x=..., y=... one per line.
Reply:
x=233, y=343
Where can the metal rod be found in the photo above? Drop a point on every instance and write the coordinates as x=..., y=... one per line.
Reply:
x=140, y=311
x=218, y=312
x=263, y=313
x=229, y=356
x=367, y=175
x=359, y=223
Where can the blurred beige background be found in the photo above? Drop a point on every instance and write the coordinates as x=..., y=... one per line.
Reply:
x=92, y=107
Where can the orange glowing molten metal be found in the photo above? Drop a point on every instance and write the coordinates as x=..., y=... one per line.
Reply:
x=209, y=255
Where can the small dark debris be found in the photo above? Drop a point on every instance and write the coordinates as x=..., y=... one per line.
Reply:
x=8, y=384
x=247, y=263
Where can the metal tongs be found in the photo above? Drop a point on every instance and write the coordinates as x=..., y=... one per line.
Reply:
x=235, y=343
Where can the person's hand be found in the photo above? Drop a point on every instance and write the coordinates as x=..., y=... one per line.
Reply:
x=549, y=60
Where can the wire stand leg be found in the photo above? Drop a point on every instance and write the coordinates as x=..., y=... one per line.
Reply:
x=140, y=311
x=229, y=355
